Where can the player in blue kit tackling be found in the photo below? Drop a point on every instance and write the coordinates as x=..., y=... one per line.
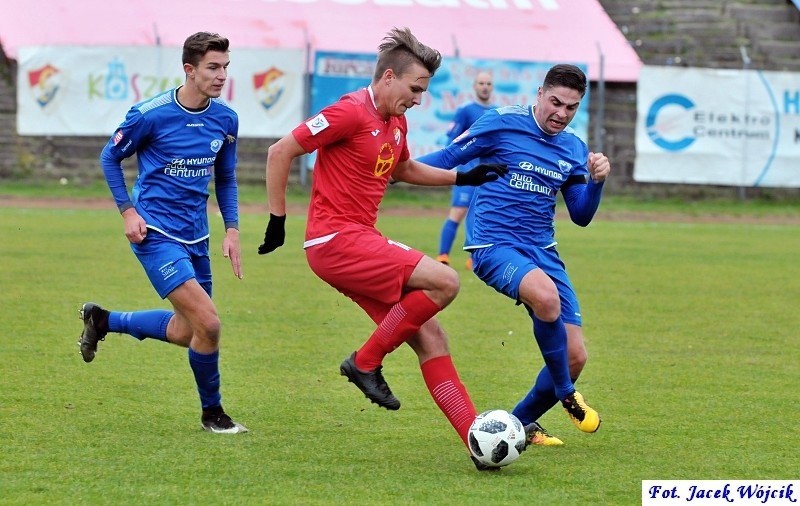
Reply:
x=465, y=116
x=181, y=138
x=511, y=233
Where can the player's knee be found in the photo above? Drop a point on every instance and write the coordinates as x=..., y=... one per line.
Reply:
x=208, y=327
x=577, y=361
x=449, y=285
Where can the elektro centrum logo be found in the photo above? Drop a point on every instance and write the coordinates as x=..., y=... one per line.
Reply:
x=674, y=122
x=661, y=126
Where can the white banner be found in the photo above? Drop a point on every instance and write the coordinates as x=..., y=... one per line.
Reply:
x=76, y=90
x=713, y=126
x=719, y=492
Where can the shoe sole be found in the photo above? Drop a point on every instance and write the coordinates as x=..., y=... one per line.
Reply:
x=238, y=429
x=86, y=351
x=345, y=370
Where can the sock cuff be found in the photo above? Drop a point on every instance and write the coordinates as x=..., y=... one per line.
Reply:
x=419, y=306
x=203, y=358
x=437, y=362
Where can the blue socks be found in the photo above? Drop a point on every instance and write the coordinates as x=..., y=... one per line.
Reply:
x=552, y=339
x=206, y=375
x=141, y=324
x=448, y=236
x=539, y=400
x=153, y=324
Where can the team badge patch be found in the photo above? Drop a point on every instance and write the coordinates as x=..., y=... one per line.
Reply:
x=397, y=136
x=317, y=124
x=216, y=144
x=118, y=137
x=385, y=160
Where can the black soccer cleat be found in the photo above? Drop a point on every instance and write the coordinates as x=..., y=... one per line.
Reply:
x=215, y=420
x=95, y=328
x=370, y=383
x=480, y=466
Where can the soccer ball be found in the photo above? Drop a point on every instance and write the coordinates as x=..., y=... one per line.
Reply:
x=496, y=438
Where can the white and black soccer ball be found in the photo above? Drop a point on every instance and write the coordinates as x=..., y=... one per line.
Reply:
x=496, y=438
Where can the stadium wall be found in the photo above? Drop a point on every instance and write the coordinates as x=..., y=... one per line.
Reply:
x=689, y=33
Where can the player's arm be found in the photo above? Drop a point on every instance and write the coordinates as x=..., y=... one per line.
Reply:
x=226, y=190
x=279, y=162
x=419, y=173
x=582, y=194
x=122, y=144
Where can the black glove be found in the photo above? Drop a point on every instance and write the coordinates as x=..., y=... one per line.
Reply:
x=275, y=234
x=480, y=174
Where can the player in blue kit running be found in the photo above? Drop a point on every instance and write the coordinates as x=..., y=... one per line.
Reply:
x=465, y=116
x=511, y=233
x=181, y=138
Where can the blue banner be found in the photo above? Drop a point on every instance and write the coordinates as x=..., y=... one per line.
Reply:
x=336, y=74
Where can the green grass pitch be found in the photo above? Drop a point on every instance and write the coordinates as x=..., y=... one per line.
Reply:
x=692, y=331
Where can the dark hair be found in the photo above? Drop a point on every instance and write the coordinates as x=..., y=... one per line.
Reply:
x=197, y=45
x=400, y=50
x=568, y=76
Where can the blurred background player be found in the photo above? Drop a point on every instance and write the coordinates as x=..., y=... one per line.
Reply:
x=181, y=137
x=361, y=143
x=511, y=230
x=465, y=116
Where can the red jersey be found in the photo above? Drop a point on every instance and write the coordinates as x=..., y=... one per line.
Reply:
x=357, y=151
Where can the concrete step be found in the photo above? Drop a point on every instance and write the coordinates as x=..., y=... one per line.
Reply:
x=771, y=13
x=784, y=64
x=778, y=48
x=786, y=30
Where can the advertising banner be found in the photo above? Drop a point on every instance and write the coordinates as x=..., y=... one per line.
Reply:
x=336, y=74
x=721, y=127
x=76, y=91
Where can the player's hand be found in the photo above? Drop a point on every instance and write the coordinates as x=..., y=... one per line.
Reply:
x=599, y=167
x=274, y=235
x=480, y=174
x=135, y=226
x=232, y=249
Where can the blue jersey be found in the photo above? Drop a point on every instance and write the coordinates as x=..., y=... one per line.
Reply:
x=520, y=207
x=464, y=117
x=178, y=150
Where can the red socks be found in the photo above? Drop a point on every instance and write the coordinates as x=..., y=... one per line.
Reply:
x=449, y=393
x=403, y=321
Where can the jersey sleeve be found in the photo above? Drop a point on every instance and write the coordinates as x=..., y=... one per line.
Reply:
x=122, y=144
x=475, y=142
x=333, y=123
x=581, y=194
x=225, y=185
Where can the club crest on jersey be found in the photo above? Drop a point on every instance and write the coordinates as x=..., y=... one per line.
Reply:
x=216, y=145
x=385, y=160
x=564, y=166
x=317, y=124
x=397, y=136
x=118, y=137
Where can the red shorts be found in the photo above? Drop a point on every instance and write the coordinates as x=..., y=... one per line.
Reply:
x=365, y=266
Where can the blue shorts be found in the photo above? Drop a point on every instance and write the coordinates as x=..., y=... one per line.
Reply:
x=169, y=263
x=462, y=196
x=503, y=267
